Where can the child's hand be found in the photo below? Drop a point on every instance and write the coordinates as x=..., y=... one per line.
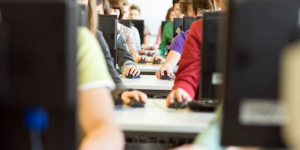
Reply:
x=137, y=95
x=162, y=60
x=162, y=70
x=180, y=94
x=140, y=58
x=132, y=70
x=155, y=52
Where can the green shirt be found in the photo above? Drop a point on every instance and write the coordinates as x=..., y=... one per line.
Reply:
x=92, y=68
x=166, y=38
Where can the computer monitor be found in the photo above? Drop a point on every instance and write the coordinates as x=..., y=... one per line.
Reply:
x=257, y=32
x=40, y=58
x=139, y=24
x=187, y=22
x=126, y=23
x=163, y=23
x=177, y=23
x=211, y=76
x=108, y=26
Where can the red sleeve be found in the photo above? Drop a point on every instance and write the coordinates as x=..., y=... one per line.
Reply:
x=188, y=74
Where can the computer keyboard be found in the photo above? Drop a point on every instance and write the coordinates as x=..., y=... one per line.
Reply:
x=204, y=105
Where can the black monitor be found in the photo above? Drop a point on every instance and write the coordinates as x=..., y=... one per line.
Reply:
x=187, y=22
x=108, y=26
x=139, y=24
x=177, y=23
x=40, y=67
x=126, y=23
x=258, y=31
x=211, y=76
x=163, y=23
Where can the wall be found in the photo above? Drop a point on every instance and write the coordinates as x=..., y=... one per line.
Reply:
x=153, y=12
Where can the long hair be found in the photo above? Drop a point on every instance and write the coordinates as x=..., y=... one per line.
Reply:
x=93, y=17
x=168, y=14
x=106, y=6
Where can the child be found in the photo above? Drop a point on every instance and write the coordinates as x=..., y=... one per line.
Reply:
x=135, y=12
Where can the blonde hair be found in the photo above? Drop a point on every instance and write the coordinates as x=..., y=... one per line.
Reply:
x=125, y=3
x=93, y=17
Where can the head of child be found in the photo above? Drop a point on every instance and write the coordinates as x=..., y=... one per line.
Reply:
x=135, y=12
x=116, y=8
x=201, y=6
x=103, y=7
x=176, y=9
x=126, y=9
x=170, y=15
x=186, y=8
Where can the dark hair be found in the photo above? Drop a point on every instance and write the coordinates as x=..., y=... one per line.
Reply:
x=106, y=6
x=168, y=14
x=184, y=5
x=204, y=4
x=117, y=4
x=135, y=7
x=174, y=2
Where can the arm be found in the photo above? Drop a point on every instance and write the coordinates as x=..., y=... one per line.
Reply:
x=188, y=74
x=158, y=39
x=137, y=38
x=96, y=117
x=166, y=38
x=109, y=60
x=130, y=41
x=124, y=58
x=95, y=108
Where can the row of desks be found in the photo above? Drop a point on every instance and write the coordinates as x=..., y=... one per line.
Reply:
x=155, y=119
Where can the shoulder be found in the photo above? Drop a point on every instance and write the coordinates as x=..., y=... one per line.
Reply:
x=197, y=25
x=169, y=24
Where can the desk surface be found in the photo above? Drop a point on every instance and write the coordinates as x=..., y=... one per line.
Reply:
x=148, y=82
x=153, y=118
x=151, y=68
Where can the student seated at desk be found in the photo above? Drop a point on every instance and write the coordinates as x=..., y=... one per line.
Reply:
x=135, y=31
x=167, y=35
x=135, y=12
x=124, y=58
x=186, y=7
x=169, y=17
x=116, y=8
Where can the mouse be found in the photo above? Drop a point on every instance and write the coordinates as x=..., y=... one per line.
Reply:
x=130, y=76
x=165, y=76
x=157, y=61
x=177, y=105
x=134, y=103
x=150, y=54
x=142, y=61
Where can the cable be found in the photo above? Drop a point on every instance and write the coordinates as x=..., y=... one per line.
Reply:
x=167, y=110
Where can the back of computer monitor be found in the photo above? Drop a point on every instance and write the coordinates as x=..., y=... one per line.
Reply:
x=139, y=24
x=210, y=74
x=258, y=30
x=176, y=24
x=187, y=22
x=108, y=26
x=126, y=23
x=42, y=72
x=163, y=23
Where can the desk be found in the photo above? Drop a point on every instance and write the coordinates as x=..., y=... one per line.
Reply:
x=154, y=121
x=150, y=69
x=149, y=84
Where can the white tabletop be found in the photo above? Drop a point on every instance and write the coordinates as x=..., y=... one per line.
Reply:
x=151, y=68
x=148, y=82
x=153, y=118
